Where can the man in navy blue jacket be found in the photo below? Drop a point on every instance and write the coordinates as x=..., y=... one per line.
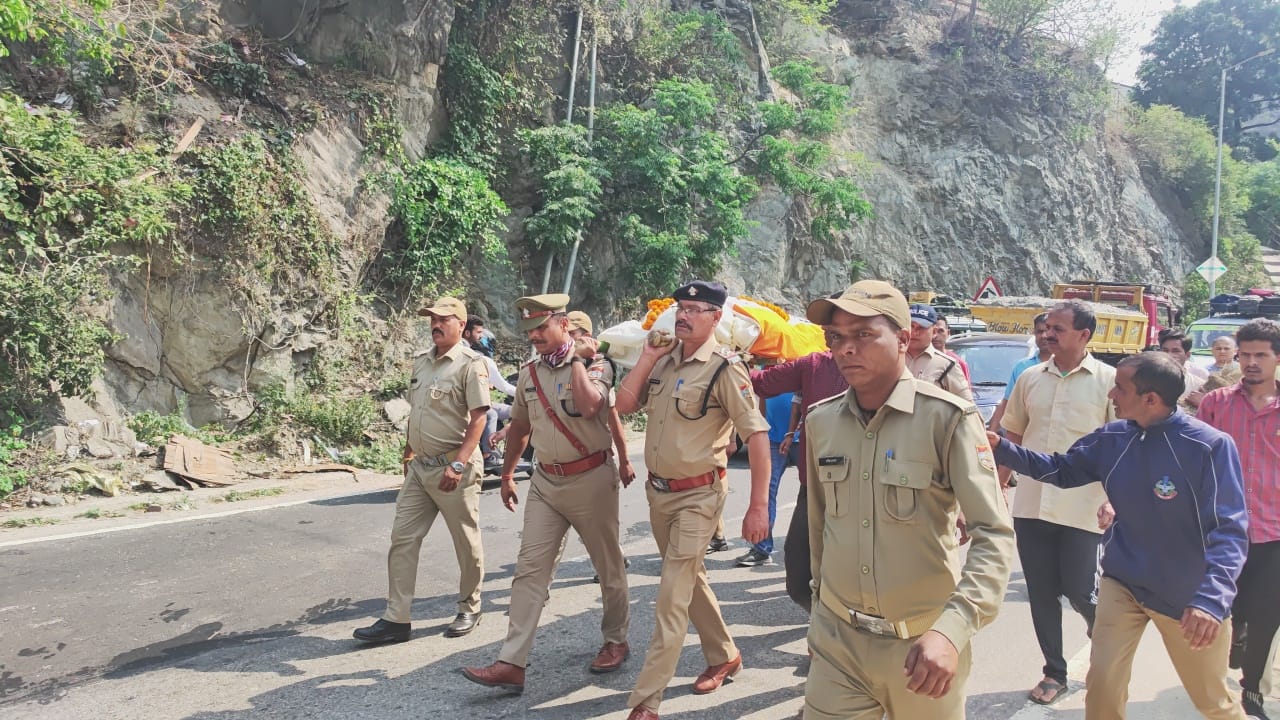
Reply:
x=1178, y=541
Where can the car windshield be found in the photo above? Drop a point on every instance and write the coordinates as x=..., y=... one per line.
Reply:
x=1203, y=334
x=991, y=363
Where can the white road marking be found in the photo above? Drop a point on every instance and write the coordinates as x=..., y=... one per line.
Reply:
x=191, y=518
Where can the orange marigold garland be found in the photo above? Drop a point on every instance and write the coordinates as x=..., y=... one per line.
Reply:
x=655, y=309
x=764, y=303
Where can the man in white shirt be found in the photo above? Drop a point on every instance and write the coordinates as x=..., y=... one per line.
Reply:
x=1053, y=404
x=1176, y=343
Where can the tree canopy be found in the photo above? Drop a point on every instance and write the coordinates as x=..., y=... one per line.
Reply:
x=1192, y=45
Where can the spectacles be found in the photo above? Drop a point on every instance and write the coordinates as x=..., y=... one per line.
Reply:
x=689, y=310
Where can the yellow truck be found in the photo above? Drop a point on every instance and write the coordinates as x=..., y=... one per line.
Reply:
x=1121, y=331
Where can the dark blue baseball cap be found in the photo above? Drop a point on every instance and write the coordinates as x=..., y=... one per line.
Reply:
x=923, y=315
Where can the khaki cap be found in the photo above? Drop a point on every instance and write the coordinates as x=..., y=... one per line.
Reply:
x=445, y=307
x=865, y=298
x=579, y=320
x=535, y=309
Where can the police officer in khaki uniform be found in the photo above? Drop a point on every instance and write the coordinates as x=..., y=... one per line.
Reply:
x=696, y=393
x=448, y=397
x=563, y=399
x=890, y=463
x=928, y=363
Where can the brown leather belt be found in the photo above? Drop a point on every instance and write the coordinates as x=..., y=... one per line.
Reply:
x=581, y=465
x=682, y=484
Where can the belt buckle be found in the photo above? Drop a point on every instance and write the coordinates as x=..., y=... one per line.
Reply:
x=558, y=470
x=659, y=484
x=442, y=460
x=874, y=625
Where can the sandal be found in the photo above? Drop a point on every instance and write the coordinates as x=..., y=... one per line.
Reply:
x=1050, y=692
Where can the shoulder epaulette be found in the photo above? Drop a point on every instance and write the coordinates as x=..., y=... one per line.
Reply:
x=420, y=353
x=933, y=391
x=729, y=354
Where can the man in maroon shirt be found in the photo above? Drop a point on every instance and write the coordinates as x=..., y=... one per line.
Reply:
x=812, y=378
x=1249, y=412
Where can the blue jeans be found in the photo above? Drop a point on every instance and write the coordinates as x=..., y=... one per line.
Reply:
x=778, y=464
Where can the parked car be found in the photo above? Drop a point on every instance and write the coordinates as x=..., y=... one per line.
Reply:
x=1205, y=330
x=991, y=357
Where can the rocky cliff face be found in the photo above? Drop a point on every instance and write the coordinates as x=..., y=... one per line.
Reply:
x=967, y=179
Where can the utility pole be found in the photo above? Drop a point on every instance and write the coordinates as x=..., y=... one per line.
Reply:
x=1217, y=182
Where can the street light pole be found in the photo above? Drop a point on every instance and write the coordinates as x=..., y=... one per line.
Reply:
x=1217, y=182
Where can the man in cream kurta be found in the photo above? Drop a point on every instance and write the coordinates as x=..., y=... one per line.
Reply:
x=1054, y=404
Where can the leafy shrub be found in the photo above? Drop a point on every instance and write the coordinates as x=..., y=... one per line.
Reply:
x=64, y=207
x=156, y=429
x=571, y=188
x=234, y=76
x=11, y=478
x=384, y=456
x=342, y=421
x=446, y=208
x=251, y=199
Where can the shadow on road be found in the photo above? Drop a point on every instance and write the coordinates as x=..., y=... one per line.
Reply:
x=558, y=685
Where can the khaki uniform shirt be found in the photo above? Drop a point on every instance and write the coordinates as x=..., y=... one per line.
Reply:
x=557, y=383
x=883, y=499
x=442, y=393
x=933, y=366
x=1051, y=411
x=684, y=439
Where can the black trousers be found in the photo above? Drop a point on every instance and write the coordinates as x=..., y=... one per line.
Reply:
x=795, y=554
x=1257, y=606
x=1057, y=562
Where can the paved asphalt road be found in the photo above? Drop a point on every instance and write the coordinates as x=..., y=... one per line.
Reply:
x=250, y=615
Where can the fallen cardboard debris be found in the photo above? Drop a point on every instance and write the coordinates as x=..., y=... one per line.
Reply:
x=199, y=463
x=321, y=468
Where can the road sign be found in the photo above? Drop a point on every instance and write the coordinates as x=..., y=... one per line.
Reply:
x=988, y=289
x=1211, y=269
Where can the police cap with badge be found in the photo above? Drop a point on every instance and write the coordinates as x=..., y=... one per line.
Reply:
x=710, y=292
x=537, y=309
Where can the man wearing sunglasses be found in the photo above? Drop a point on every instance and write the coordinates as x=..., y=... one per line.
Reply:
x=696, y=393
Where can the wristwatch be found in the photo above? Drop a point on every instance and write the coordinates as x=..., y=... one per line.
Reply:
x=457, y=467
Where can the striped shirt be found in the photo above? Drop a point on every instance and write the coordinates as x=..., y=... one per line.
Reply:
x=1257, y=436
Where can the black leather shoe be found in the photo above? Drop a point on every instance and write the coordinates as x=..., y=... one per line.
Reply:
x=383, y=632
x=462, y=624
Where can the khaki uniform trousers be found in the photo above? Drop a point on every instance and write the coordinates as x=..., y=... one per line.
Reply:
x=587, y=502
x=682, y=526
x=1117, y=630
x=856, y=675
x=419, y=502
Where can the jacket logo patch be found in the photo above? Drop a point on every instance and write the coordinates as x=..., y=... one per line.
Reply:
x=1164, y=489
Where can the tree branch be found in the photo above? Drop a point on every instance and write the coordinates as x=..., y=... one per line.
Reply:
x=1244, y=128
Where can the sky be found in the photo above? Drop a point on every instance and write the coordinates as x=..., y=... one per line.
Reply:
x=1147, y=13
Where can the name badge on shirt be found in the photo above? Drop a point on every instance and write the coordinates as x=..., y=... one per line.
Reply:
x=832, y=460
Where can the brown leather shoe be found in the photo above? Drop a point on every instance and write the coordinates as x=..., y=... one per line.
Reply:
x=641, y=712
x=713, y=677
x=610, y=657
x=500, y=675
